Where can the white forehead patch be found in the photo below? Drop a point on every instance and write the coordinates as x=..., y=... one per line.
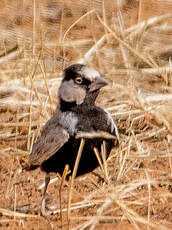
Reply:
x=89, y=73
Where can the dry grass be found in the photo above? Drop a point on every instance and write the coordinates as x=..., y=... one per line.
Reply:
x=136, y=58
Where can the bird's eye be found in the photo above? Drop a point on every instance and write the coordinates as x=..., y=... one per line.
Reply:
x=78, y=80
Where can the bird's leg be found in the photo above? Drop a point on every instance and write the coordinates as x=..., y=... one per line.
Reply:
x=43, y=206
x=65, y=173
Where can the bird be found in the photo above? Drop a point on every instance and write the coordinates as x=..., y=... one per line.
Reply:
x=76, y=114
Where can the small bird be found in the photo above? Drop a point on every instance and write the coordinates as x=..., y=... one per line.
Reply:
x=75, y=113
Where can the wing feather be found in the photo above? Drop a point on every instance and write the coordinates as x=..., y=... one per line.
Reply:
x=52, y=138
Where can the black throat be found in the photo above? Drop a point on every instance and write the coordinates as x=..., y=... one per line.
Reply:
x=69, y=106
x=66, y=106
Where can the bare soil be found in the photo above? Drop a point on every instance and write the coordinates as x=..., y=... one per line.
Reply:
x=139, y=192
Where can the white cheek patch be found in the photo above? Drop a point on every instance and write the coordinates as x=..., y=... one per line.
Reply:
x=80, y=95
x=69, y=121
x=111, y=122
x=70, y=92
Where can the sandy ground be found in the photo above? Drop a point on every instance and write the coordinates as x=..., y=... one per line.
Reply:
x=140, y=187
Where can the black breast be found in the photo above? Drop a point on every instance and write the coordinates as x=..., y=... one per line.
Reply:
x=67, y=155
x=92, y=119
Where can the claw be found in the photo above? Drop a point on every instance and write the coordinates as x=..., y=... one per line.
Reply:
x=44, y=212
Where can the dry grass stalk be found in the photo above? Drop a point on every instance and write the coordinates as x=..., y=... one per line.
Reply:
x=104, y=156
x=147, y=23
x=124, y=43
x=65, y=172
x=6, y=212
x=73, y=177
x=28, y=83
x=12, y=55
x=96, y=151
x=89, y=54
x=124, y=51
x=98, y=134
x=149, y=198
x=76, y=22
x=157, y=71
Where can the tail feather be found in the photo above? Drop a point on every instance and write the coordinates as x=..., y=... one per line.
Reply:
x=29, y=167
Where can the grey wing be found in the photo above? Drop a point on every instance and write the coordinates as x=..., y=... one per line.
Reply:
x=52, y=138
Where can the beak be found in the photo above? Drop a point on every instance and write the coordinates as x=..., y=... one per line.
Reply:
x=98, y=83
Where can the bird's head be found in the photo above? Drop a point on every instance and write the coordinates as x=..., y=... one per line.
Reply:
x=80, y=84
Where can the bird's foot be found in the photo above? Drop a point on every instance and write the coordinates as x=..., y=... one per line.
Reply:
x=47, y=211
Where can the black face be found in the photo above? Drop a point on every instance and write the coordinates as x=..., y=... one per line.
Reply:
x=73, y=73
x=80, y=85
